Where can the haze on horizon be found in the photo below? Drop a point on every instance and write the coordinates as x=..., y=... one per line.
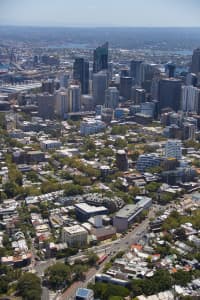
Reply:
x=101, y=13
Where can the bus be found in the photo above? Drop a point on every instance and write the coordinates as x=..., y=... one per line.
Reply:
x=101, y=259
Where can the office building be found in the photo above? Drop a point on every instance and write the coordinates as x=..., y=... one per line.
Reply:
x=61, y=103
x=112, y=97
x=46, y=104
x=81, y=73
x=170, y=69
x=191, y=79
x=129, y=213
x=87, y=103
x=147, y=161
x=64, y=79
x=50, y=145
x=173, y=149
x=148, y=108
x=74, y=236
x=100, y=58
x=85, y=211
x=84, y=294
x=189, y=131
x=169, y=94
x=190, y=99
x=74, y=98
x=124, y=73
x=48, y=86
x=138, y=95
x=147, y=72
x=195, y=68
x=125, y=87
x=122, y=160
x=135, y=70
x=91, y=126
x=100, y=85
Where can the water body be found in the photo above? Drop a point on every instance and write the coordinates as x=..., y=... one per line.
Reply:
x=70, y=46
x=182, y=52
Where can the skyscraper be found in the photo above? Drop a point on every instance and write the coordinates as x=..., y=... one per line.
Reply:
x=99, y=86
x=135, y=70
x=125, y=87
x=173, y=149
x=61, y=103
x=81, y=73
x=195, y=68
x=74, y=98
x=170, y=69
x=46, y=104
x=112, y=97
x=169, y=93
x=100, y=58
x=190, y=99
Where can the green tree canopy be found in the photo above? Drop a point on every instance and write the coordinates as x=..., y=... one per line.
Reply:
x=72, y=189
x=58, y=275
x=29, y=287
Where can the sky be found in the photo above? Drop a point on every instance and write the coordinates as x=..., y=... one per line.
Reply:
x=101, y=13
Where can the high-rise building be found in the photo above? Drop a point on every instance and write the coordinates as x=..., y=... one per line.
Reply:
x=81, y=73
x=100, y=84
x=46, y=104
x=169, y=93
x=112, y=97
x=122, y=160
x=48, y=86
x=61, y=103
x=170, y=69
x=64, y=79
x=135, y=70
x=173, y=149
x=100, y=58
x=190, y=99
x=189, y=131
x=87, y=103
x=74, y=98
x=191, y=79
x=125, y=87
x=195, y=68
x=138, y=95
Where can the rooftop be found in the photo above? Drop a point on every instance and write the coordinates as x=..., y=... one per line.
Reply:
x=74, y=229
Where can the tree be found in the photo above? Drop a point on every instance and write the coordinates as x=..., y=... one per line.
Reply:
x=92, y=258
x=82, y=180
x=32, y=176
x=72, y=189
x=10, y=189
x=29, y=287
x=4, y=281
x=106, y=291
x=78, y=271
x=106, y=152
x=58, y=275
x=15, y=175
x=120, y=143
x=119, y=130
x=152, y=186
x=89, y=145
x=182, y=278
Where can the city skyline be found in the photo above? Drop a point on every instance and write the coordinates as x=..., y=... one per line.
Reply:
x=88, y=13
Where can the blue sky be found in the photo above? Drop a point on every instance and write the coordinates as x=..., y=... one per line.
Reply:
x=143, y=13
